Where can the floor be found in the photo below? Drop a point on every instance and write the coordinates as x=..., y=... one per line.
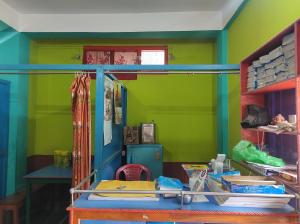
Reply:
x=48, y=206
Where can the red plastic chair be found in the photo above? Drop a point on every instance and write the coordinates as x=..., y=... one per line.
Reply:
x=133, y=172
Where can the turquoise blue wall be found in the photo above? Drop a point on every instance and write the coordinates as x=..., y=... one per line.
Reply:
x=222, y=94
x=14, y=49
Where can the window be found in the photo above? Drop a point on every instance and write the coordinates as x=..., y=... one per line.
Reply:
x=125, y=55
x=153, y=57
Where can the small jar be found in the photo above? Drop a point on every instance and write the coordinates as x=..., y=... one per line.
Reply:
x=65, y=159
x=57, y=158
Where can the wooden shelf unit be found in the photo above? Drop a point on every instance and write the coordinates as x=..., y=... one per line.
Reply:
x=290, y=186
x=283, y=133
x=284, y=94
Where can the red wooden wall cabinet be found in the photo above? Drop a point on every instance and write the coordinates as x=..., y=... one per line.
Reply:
x=261, y=96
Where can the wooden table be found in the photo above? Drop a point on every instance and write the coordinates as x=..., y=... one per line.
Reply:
x=170, y=210
x=46, y=175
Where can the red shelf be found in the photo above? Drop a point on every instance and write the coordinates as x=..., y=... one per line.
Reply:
x=283, y=85
x=279, y=98
x=259, y=130
x=290, y=185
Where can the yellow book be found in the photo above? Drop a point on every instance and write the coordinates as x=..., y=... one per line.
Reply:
x=126, y=185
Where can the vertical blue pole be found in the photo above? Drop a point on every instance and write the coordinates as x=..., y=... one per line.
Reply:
x=222, y=94
x=124, y=106
x=99, y=123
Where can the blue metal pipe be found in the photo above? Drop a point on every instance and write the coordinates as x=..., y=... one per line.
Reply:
x=61, y=67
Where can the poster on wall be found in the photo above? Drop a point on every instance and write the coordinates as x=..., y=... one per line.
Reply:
x=118, y=102
x=108, y=107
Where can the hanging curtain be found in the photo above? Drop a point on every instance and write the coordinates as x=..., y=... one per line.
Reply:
x=81, y=108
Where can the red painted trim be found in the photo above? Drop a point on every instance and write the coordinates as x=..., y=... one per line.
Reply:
x=257, y=96
x=175, y=215
x=297, y=43
x=177, y=211
x=113, y=49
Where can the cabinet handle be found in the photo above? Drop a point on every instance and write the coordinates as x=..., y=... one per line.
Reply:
x=157, y=155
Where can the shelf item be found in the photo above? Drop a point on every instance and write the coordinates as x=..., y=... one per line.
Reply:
x=194, y=169
x=261, y=85
x=258, y=202
x=126, y=186
x=273, y=63
x=252, y=184
x=149, y=155
x=283, y=85
x=265, y=172
x=277, y=132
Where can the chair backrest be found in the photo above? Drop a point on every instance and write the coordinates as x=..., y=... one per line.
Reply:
x=133, y=172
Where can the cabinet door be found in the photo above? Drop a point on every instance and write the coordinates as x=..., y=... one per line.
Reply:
x=147, y=155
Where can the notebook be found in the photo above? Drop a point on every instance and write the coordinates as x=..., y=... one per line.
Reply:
x=125, y=185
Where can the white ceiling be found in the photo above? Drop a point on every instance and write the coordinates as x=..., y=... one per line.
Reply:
x=117, y=15
x=114, y=6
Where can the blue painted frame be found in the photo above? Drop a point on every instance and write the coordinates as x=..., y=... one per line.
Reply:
x=100, y=71
x=99, y=67
x=4, y=130
x=222, y=94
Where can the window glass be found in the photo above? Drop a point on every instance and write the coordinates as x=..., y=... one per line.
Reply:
x=153, y=57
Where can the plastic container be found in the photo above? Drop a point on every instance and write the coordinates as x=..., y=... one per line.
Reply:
x=61, y=158
x=57, y=158
x=65, y=159
x=148, y=133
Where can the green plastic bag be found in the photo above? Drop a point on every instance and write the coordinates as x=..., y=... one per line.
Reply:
x=246, y=151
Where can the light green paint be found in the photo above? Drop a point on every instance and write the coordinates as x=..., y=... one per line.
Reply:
x=183, y=107
x=14, y=49
x=259, y=21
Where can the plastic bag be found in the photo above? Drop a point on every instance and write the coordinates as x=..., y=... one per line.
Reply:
x=169, y=183
x=246, y=151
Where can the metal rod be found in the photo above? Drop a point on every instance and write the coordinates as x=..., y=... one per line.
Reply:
x=173, y=72
x=121, y=72
x=86, y=67
x=72, y=199
x=84, y=180
x=185, y=192
x=44, y=73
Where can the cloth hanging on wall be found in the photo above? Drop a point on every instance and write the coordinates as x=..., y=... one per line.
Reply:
x=108, y=107
x=81, y=108
x=118, y=102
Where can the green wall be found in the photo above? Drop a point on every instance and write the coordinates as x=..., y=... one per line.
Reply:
x=259, y=21
x=182, y=106
x=14, y=49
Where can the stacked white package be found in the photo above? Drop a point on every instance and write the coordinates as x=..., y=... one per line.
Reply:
x=251, y=78
x=277, y=65
x=288, y=45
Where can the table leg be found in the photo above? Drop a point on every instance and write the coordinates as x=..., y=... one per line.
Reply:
x=27, y=205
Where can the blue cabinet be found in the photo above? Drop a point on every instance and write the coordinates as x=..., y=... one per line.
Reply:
x=149, y=155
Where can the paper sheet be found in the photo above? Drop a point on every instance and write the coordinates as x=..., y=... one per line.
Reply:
x=108, y=104
x=118, y=102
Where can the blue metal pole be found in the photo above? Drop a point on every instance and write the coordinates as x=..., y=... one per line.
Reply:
x=222, y=95
x=66, y=67
x=99, y=123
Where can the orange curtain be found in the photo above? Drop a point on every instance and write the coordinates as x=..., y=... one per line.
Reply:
x=81, y=108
